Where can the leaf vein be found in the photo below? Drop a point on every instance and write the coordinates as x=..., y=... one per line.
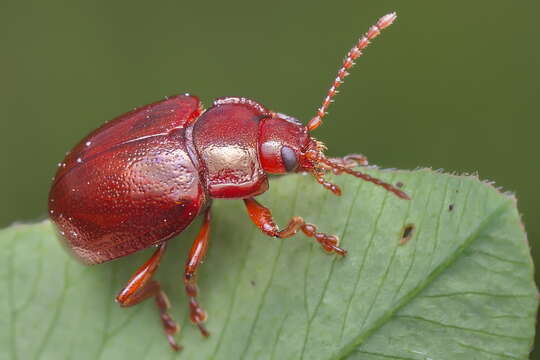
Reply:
x=418, y=232
x=438, y=225
x=450, y=326
x=280, y=329
x=473, y=251
x=312, y=316
x=349, y=303
x=508, y=356
x=268, y=284
x=383, y=279
x=384, y=355
x=108, y=309
x=235, y=293
x=361, y=269
x=56, y=315
x=347, y=348
x=476, y=293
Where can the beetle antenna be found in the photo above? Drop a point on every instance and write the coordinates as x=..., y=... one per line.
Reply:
x=362, y=176
x=352, y=55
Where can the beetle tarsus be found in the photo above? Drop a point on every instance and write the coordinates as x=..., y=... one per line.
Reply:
x=173, y=343
x=203, y=330
x=262, y=217
x=319, y=176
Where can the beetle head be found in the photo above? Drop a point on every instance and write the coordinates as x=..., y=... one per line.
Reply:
x=285, y=146
x=282, y=140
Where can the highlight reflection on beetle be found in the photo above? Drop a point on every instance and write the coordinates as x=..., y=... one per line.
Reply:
x=142, y=178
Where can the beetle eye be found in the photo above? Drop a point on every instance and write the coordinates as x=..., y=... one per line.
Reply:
x=289, y=158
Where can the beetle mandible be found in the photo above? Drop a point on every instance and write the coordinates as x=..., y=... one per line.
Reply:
x=142, y=178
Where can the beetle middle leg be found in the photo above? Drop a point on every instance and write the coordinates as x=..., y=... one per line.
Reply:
x=196, y=255
x=140, y=287
x=262, y=217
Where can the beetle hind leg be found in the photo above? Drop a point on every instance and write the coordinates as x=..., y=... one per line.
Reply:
x=197, y=315
x=140, y=287
x=262, y=217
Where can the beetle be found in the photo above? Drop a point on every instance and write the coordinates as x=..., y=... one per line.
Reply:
x=142, y=178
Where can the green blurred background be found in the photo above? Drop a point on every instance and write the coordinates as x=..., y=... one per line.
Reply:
x=452, y=85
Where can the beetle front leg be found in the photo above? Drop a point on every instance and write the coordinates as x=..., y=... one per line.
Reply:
x=196, y=255
x=140, y=287
x=262, y=217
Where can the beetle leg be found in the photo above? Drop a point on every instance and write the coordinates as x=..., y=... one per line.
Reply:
x=196, y=255
x=262, y=217
x=140, y=287
x=319, y=176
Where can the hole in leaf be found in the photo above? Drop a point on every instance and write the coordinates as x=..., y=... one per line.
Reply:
x=407, y=234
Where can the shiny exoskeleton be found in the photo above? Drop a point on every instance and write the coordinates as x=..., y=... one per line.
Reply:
x=142, y=178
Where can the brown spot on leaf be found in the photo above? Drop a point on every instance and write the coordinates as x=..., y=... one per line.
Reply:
x=406, y=234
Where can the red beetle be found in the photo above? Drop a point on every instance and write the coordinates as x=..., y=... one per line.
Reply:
x=142, y=178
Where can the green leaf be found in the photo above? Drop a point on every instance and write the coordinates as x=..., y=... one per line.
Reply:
x=460, y=288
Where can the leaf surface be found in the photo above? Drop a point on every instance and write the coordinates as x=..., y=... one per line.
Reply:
x=461, y=287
